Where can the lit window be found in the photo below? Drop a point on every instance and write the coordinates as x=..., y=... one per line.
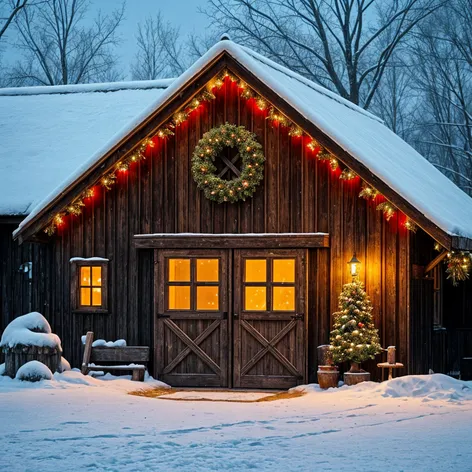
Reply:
x=193, y=284
x=89, y=287
x=269, y=284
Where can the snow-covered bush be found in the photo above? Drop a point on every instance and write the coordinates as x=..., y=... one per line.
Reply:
x=2, y=369
x=34, y=371
x=30, y=330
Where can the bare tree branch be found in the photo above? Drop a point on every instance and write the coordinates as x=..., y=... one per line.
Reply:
x=57, y=47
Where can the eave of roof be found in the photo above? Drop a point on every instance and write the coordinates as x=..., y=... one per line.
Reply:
x=238, y=54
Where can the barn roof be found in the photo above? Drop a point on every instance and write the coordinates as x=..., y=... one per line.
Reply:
x=47, y=133
x=360, y=134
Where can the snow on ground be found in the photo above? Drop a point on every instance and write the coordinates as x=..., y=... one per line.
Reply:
x=421, y=423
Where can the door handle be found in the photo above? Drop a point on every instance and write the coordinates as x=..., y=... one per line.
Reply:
x=163, y=315
x=298, y=316
x=235, y=315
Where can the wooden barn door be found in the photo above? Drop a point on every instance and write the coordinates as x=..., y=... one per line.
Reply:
x=192, y=318
x=269, y=318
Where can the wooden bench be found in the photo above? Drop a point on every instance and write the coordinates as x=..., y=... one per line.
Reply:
x=121, y=356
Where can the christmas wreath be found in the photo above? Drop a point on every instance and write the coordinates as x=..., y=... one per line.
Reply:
x=252, y=163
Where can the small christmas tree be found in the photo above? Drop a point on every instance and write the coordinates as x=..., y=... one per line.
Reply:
x=354, y=337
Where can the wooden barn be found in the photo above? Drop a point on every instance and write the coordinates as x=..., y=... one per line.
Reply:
x=212, y=217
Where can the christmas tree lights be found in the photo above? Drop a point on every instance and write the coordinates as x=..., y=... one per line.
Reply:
x=354, y=337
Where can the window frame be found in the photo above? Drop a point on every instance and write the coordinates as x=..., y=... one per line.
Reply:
x=269, y=283
x=75, y=287
x=193, y=283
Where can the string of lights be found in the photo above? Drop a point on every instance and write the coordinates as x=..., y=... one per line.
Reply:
x=273, y=115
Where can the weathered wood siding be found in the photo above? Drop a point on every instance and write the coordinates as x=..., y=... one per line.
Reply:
x=298, y=194
x=17, y=295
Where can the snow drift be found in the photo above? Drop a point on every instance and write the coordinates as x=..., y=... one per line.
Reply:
x=34, y=371
x=30, y=330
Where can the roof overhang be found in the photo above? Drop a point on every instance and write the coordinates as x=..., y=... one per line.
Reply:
x=179, y=93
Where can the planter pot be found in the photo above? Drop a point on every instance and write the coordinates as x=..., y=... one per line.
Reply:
x=19, y=355
x=328, y=376
x=353, y=378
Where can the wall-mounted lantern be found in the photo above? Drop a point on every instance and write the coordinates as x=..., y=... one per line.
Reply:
x=354, y=264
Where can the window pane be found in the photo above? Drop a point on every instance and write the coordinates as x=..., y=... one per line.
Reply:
x=96, y=297
x=284, y=299
x=179, y=297
x=284, y=270
x=85, y=275
x=96, y=276
x=207, y=270
x=179, y=270
x=85, y=296
x=207, y=298
x=255, y=299
x=256, y=270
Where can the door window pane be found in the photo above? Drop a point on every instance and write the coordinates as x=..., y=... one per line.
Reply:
x=256, y=270
x=179, y=297
x=96, y=297
x=284, y=270
x=85, y=275
x=255, y=299
x=179, y=270
x=207, y=299
x=85, y=296
x=283, y=298
x=207, y=270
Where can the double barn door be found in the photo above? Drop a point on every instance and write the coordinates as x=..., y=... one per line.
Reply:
x=231, y=318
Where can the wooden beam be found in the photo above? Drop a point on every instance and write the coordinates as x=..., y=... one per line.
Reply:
x=462, y=244
x=435, y=262
x=230, y=241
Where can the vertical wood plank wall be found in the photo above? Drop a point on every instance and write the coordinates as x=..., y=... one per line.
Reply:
x=298, y=194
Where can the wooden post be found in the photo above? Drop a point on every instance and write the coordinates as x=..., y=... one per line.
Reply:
x=87, y=352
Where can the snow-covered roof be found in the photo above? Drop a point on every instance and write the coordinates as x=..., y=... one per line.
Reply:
x=46, y=133
x=358, y=132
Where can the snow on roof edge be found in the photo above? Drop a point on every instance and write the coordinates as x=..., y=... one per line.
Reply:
x=318, y=88
x=85, y=88
x=251, y=60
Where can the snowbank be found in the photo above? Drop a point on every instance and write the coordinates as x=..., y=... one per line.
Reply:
x=34, y=371
x=434, y=387
x=430, y=387
x=30, y=330
x=103, y=343
x=74, y=379
x=2, y=369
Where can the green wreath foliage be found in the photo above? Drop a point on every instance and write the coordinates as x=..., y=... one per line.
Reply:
x=209, y=148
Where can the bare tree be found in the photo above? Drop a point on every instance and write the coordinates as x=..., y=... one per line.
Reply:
x=8, y=10
x=59, y=49
x=160, y=50
x=345, y=45
x=442, y=56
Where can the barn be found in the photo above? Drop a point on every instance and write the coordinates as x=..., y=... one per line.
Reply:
x=211, y=217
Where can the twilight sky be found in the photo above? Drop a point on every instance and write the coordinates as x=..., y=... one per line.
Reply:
x=183, y=13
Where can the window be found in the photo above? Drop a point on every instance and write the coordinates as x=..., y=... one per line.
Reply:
x=269, y=284
x=89, y=285
x=193, y=284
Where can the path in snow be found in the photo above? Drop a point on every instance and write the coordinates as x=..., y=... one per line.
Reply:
x=105, y=429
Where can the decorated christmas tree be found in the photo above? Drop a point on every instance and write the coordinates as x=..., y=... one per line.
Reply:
x=354, y=337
